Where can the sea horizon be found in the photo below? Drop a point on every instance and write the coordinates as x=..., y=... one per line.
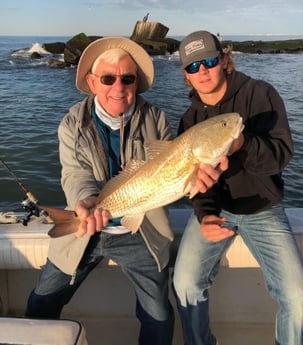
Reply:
x=235, y=37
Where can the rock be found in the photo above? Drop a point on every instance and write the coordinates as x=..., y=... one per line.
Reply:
x=152, y=37
x=74, y=48
x=266, y=47
x=54, y=48
x=172, y=44
x=93, y=38
x=153, y=47
x=35, y=56
x=149, y=31
x=56, y=63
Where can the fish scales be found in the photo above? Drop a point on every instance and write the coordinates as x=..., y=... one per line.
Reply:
x=167, y=177
x=154, y=185
x=168, y=174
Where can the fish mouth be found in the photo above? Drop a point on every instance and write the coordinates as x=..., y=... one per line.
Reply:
x=240, y=127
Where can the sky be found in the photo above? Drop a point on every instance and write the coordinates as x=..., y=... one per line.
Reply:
x=118, y=17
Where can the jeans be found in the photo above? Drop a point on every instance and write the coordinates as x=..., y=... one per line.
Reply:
x=269, y=238
x=153, y=308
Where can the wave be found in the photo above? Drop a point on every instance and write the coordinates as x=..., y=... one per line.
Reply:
x=37, y=48
x=36, y=56
x=168, y=56
x=26, y=52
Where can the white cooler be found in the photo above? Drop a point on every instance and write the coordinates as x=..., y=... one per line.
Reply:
x=21, y=331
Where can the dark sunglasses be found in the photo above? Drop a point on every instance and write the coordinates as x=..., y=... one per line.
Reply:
x=110, y=79
x=207, y=63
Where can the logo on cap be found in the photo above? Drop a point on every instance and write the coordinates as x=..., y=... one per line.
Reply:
x=194, y=46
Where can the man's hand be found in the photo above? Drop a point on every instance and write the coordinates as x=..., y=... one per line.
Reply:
x=90, y=221
x=207, y=176
x=211, y=228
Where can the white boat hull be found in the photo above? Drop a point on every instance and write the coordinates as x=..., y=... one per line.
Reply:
x=241, y=309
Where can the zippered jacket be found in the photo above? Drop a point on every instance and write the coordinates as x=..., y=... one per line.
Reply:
x=85, y=172
x=253, y=181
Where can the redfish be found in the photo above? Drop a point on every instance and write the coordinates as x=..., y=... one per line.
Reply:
x=166, y=176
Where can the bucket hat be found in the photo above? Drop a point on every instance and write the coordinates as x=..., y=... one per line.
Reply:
x=99, y=46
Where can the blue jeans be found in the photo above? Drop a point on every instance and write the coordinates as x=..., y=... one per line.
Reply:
x=269, y=238
x=153, y=308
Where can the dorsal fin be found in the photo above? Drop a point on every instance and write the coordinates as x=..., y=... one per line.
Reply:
x=118, y=180
x=154, y=147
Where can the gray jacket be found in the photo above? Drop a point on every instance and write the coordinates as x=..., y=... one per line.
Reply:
x=85, y=172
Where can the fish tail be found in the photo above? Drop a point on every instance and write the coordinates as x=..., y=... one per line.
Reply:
x=65, y=222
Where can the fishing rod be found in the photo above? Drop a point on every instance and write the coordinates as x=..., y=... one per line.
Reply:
x=31, y=203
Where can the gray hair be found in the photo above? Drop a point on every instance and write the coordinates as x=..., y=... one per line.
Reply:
x=110, y=56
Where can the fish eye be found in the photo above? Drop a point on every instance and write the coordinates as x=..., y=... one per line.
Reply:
x=224, y=124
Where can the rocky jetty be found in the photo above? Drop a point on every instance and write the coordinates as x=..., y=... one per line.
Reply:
x=152, y=37
x=266, y=47
x=71, y=50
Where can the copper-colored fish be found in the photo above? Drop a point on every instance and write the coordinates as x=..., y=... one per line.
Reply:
x=167, y=175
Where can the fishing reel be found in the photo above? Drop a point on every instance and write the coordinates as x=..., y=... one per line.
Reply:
x=31, y=208
x=30, y=204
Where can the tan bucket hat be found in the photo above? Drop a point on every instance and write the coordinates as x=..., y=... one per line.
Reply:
x=96, y=48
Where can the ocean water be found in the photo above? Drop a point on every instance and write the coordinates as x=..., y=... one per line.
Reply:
x=35, y=97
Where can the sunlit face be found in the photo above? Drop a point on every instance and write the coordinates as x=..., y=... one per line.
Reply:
x=118, y=97
x=210, y=83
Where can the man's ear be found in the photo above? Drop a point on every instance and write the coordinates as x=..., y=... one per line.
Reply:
x=90, y=79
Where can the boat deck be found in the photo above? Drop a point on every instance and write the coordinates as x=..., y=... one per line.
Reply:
x=125, y=332
x=241, y=310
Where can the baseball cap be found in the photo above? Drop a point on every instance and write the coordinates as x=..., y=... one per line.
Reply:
x=99, y=46
x=197, y=46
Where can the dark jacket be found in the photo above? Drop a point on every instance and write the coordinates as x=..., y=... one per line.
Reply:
x=253, y=181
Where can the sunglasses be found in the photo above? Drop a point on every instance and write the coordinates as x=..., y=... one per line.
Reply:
x=110, y=79
x=207, y=63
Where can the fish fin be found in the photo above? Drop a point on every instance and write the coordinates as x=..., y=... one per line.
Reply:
x=132, y=166
x=120, y=179
x=193, y=191
x=154, y=147
x=132, y=222
x=65, y=222
x=190, y=184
